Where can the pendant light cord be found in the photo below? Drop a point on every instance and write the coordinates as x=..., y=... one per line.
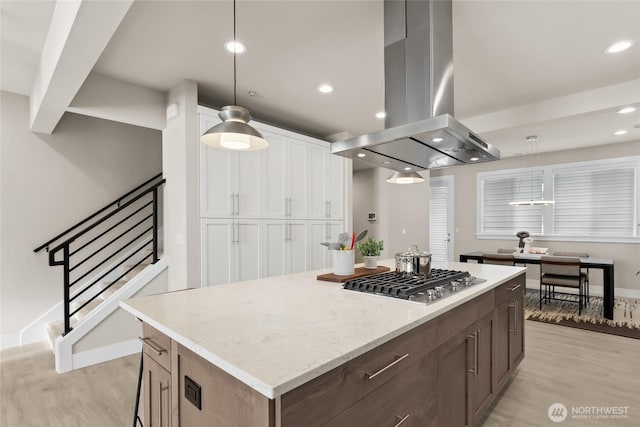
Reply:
x=235, y=100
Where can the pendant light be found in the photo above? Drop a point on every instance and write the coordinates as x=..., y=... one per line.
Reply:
x=531, y=139
x=234, y=133
x=405, y=178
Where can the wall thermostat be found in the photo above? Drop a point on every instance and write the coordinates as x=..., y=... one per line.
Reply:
x=371, y=216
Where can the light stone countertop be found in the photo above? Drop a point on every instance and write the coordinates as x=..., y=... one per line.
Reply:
x=278, y=333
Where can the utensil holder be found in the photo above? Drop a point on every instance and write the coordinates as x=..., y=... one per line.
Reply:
x=343, y=262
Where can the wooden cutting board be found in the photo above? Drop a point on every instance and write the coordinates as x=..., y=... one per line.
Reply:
x=358, y=272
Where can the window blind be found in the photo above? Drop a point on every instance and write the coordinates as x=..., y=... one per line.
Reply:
x=596, y=202
x=498, y=217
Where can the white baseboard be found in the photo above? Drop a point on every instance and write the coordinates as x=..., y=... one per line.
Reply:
x=106, y=353
x=594, y=290
x=9, y=340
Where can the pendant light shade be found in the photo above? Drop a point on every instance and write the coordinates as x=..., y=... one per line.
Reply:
x=531, y=140
x=405, y=178
x=234, y=133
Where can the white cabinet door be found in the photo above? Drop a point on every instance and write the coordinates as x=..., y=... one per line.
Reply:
x=318, y=206
x=297, y=178
x=318, y=232
x=296, y=247
x=217, y=183
x=322, y=231
x=247, y=174
x=274, y=180
x=273, y=253
x=284, y=247
x=246, y=253
x=335, y=186
x=217, y=243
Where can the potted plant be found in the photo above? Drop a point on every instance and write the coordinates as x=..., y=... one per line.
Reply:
x=370, y=250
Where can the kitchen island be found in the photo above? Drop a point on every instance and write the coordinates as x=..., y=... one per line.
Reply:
x=294, y=351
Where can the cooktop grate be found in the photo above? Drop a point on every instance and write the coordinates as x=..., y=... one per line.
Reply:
x=394, y=285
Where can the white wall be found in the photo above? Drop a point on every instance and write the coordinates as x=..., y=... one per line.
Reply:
x=50, y=182
x=397, y=207
x=180, y=147
x=625, y=256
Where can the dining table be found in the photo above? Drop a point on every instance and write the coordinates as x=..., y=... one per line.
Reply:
x=604, y=264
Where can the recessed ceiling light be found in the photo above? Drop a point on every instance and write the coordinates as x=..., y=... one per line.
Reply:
x=407, y=168
x=386, y=162
x=474, y=159
x=620, y=46
x=325, y=88
x=381, y=115
x=437, y=139
x=626, y=110
x=234, y=46
x=361, y=155
x=620, y=132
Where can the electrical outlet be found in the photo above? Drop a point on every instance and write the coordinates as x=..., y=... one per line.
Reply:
x=193, y=392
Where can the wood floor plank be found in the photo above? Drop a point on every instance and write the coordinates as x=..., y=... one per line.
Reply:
x=32, y=393
x=574, y=367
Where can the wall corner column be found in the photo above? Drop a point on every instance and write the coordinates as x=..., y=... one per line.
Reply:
x=181, y=195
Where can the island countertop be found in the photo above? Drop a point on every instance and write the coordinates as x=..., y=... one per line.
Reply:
x=277, y=333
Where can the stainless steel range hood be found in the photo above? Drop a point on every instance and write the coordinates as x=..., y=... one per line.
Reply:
x=420, y=130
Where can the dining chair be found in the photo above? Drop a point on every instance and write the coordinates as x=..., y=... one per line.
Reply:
x=557, y=271
x=579, y=255
x=499, y=259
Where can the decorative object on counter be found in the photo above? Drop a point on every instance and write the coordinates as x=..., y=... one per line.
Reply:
x=370, y=250
x=357, y=272
x=234, y=133
x=625, y=322
x=521, y=235
x=343, y=262
x=405, y=178
x=413, y=262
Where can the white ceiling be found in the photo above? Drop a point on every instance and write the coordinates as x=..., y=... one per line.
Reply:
x=508, y=55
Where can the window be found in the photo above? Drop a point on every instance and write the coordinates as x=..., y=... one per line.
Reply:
x=595, y=200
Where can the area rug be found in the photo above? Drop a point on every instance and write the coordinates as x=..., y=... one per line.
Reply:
x=626, y=314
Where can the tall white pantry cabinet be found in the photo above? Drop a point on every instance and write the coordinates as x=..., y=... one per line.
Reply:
x=264, y=213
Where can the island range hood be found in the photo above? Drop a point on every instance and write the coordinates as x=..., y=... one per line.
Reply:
x=420, y=132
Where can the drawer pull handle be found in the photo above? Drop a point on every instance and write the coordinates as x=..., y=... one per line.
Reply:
x=514, y=288
x=395, y=362
x=402, y=419
x=155, y=347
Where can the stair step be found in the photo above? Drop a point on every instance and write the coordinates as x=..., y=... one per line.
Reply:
x=55, y=329
x=133, y=273
x=85, y=310
x=106, y=294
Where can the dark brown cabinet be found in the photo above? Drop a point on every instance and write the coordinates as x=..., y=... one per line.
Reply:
x=509, y=330
x=445, y=372
x=157, y=394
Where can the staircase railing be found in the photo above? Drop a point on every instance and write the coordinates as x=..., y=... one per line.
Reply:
x=130, y=223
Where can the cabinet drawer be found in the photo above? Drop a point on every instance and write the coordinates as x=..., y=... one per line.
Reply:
x=409, y=399
x=157, y=346
x=512, y=289
x=321, y=399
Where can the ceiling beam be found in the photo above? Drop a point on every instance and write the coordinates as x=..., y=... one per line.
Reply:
x=604, y=98
x=110, y=99
x=78, y=34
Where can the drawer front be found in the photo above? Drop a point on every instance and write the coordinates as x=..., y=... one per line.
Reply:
x=321, y=399
x=407, y=400
x=157, y=346
x=514, y=288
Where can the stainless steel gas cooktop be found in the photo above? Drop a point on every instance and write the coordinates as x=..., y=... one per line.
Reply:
x=424, y=289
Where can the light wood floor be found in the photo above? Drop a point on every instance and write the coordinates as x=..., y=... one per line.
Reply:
x=570, y=366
